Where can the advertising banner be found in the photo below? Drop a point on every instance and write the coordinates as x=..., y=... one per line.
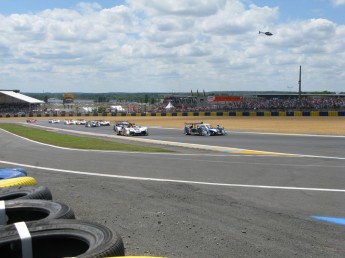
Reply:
x=68, y=98
x=224, y=98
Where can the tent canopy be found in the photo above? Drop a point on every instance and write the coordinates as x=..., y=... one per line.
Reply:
x=117, y=108
x=169, y=106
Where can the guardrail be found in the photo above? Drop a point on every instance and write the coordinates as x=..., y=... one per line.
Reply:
x=203, y=113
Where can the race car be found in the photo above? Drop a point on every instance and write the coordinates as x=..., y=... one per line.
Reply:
x=81, y=122
x=54, y=121
x=200, y=128
x=31, y=121
x=133, y=129
x=119, y=127
x=70, y=122
x=92, y=124
x=103, y=123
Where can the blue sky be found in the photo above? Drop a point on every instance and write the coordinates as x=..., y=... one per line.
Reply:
x=33, y=6
x=171, y=45
x=293, y=9
x=307, y=9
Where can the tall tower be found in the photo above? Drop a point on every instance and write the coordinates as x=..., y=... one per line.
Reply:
x=300, y=82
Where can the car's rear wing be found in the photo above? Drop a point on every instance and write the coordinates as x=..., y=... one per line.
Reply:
x=193, y=123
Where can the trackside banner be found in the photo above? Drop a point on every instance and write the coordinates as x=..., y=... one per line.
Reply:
x=224, y=98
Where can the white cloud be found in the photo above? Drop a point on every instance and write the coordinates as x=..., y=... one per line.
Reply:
x=197, y=8
x=159, y=45
x=338, y=2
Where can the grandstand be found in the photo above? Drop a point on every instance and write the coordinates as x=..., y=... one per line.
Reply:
x=255, y=102
x=12, y=101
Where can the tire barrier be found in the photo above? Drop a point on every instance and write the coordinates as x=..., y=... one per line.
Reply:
x=25, y=192
x=61, y=238
x=25, y=180
x=23, y=203
x=33, y=210
x=6, y=173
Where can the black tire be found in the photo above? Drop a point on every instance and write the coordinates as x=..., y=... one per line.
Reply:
x=204, y=133
x=33, y=210
x=187, y=131
x=25, y=192
x=63, y=238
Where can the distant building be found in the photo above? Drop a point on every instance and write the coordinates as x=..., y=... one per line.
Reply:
x=54, y=101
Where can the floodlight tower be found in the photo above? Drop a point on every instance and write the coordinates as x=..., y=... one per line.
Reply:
x=300, y=82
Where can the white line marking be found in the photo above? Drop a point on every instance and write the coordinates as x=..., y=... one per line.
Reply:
x=173, y=180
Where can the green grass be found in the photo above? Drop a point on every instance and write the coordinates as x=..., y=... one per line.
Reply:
x=70, y=141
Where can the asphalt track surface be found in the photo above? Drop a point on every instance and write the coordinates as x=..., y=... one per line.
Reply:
x=202, y=203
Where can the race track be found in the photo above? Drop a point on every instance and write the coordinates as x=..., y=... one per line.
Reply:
x=202, y=203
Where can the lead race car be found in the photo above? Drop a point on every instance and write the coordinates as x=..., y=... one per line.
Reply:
x=120, y=126
x=127, y=129
x=200, y=128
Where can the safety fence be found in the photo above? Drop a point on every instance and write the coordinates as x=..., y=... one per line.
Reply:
x=206, y=113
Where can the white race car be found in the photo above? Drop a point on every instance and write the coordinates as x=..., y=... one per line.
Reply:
x=70, y=122
x=92, y=124
x=54, y=121
x=103, y=122
x=119, y=127
x=81, y=122
x=126, y=128
x=135, y=130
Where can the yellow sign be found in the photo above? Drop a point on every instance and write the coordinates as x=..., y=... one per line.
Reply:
x=68, y=98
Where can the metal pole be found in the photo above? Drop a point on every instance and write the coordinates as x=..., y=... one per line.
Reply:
x=299, y=87
x=300, y=82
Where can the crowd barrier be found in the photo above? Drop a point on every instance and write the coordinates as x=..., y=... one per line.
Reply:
x=202, y=113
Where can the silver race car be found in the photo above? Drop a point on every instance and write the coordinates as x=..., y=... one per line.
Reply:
x=203, y=129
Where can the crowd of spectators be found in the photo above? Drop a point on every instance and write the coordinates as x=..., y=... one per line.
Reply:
x=14, y=108
x=262, y=104
x=336, y=103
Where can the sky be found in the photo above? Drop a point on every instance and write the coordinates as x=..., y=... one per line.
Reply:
x=172, y=45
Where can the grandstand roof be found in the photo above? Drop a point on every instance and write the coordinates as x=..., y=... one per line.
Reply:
x=7, y=96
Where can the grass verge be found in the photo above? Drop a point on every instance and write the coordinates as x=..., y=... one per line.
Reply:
x=76, y=142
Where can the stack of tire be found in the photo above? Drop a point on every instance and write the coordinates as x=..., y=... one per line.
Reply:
x=32, y=225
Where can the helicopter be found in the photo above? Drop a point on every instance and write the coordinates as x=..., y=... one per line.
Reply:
x=267, y=33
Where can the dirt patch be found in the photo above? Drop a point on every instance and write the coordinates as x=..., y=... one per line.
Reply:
x=305, y=125
x=311, y=125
